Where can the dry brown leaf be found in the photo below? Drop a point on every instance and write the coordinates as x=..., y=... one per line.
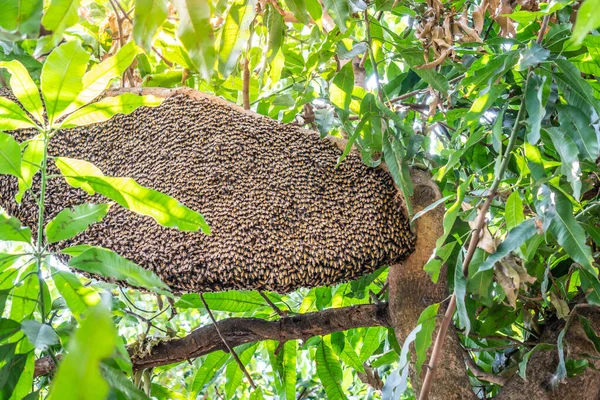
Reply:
x=561, y=306
x=509, y=280
x=479, y=17
x=486, y=241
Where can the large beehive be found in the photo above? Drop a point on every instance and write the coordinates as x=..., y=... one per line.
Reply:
x=282, y=215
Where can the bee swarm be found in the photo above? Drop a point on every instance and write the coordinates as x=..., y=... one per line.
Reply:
x=282, y=215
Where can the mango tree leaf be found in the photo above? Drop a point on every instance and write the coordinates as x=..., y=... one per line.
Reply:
x=484, y=72
x=348, y=356
x=12, y=116
x=535, y=108
x=298, y=8
x=588, y=19
x=120, y=383
x=452, y=212
x=10, y=155
x=104, y=262
x=24, y=89
x=233, y=372
x=209, y=368
x=590, y=286
x=8, y=327
x=97, y=79
x=61, y=79
x=370, y=342
x=423, y=338
x=235, y=34
x=128, y=193
x=513, y=210
x=590, y=332
x=527, y=356
x=340, y=91
x=414, y=58
x=460, y=291
x=77, y=296
x=568, y=151
x=11, y=229
x=457, y=155
x=93, y=342
x=71, y=222
x=532, y=56
x=61, y=15
x=578, y=127
x=32, y=162
x=397, y=382
x=13, y=366
x=25, y=297
x=196, y=34
x=339, y=10
x=515, y=238
x=576, y=90
x=569, y=233
x=149, y=16
x=329, y=372
x=40, y=335
x=231, y=301
x=21, y=18
x=107, y=108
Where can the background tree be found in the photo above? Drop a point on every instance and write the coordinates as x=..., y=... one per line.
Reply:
x=498, y=100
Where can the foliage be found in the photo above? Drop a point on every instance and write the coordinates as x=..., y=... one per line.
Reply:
x=478, y=96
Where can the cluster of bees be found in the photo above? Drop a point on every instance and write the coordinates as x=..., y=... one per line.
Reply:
x=282, y=215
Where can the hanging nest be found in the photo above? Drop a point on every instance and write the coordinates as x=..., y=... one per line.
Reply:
x=282, y=215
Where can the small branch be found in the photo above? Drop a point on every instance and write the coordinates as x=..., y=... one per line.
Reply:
x=419, y=91
x=278, y=310
x=233, y=353
x=481, y=374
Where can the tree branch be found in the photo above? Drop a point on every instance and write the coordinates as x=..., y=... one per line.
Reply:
x=238, y=331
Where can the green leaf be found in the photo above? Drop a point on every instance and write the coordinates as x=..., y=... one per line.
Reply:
x=323, y=297
x=128, y=193
x=25, y=297
x=11, y=229
x=424, y=337
x=230, y=301
x=339, y=10
x=348, y=356
x=452, y=212
x=578, y=127
x=40, y=335
x=8, y=327
x=104, y=262
x=434, y=265
x=576, y=90
x=21, y=18
x=394, y=158
x=10, y=155
x=329, y=372
x=569, y=233
x=298, y=8
x=119, y=382
x=590, y=286
x=97, y=79
x=588, y=19
x=484, y=72
x=61, y=15
x=460, y=291
x=210, y=366
x=527, y=356
x=285, y=369
x=61, y=79
x=77, y=296
x=233, y=372
x=457, y=155
x=414, y=58
x=515, y=238
x=32, y=162
x=107, y=108
x=340, y=91
x=196, y=34
x=24, y=89
x=12, y=116
x=13, y=366
x=149, y=16
x=532, y=56
x=568, y=151
x=71, y=222
x=513, y=211
x=535, y=108
x=93, y=342
x=235, y=34
x=397, y=382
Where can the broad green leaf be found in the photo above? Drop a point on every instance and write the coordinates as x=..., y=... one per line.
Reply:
x=482, y=103
x=298, y=8
x=196, y=34
x=460, y=291
x=340, y=91
x=149, y=16
x=8, y=327
x=576, y=90
x=33, y=156
x=397, y=382
x=93, y=342
x=12, y=116
x=568, y=151
x=535, y=108
x=128, y=193
x=578, y=127
x=323, y=297
x=40, y=335
x=414, y=58
x=527, y=356
x=97, y=79
x=77, y=296
x=370, y=342
x=329, y=372
x=61, y=79
x=209, y=368
x=590, y=286
x=452, y=212
x=10, y=155
x=532, y=56
x=24, y=89
x=104, y=262
x=107, y=108
x=515, y=238
x=484, y=72
x=276, y=27
x=457, y=155
x=233, y=372
x=231, y=301
x=590, y=332
x=569, y=233
x=424, y=338
x=588, y=19
x=11, y=229
x=120, y=383
x=339, y=10
x=348, y=356
x=13, y=366
x=71, y=222
x=25, y=296
x=21, y=18
x=434, y=265
x=235, y=34
x=398, y=167
x=61, y=15
x=284, y=367
x=513, y=211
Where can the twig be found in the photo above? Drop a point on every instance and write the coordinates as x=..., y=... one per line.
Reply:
x=233, y=353
x=278, y=310
x=481, y=374
x=122, y=42
x=441, y=335
x=418, y=91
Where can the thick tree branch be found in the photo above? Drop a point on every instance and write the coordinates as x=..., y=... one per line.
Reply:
x=238, y=331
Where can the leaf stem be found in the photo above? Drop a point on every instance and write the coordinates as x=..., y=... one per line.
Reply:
x=40, y=249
